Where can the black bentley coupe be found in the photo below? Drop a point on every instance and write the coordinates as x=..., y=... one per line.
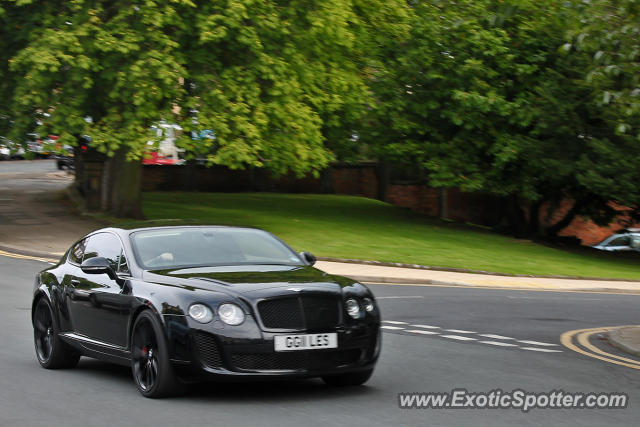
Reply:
x=197, y=303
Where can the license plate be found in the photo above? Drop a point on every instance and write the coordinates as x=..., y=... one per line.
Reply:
x=306, y=342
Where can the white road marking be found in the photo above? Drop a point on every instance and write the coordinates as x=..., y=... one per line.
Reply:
x=416, y=331
x=538, y=343
x=407, y=297
x=546, y=350
x=467, y=338
x=500, y=343
x=426, y=326
x=496, y=337
x=458, y=337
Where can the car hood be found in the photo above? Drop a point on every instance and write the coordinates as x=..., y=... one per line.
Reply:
x=243, y=279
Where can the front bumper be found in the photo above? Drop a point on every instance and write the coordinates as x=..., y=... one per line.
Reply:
x=211, y=352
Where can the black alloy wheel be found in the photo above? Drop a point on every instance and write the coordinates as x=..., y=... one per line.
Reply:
x=150, y=364
x=51, y=351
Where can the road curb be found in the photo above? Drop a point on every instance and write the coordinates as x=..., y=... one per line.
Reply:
x=626, y=339
x=465, y=270
x=29, y=252
x=428, y=282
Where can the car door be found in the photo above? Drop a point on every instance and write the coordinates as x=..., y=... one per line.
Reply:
x=619, y=243
x=98, y=303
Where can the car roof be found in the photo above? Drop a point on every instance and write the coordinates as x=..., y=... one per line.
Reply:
x=630, y=230
x=125, y=229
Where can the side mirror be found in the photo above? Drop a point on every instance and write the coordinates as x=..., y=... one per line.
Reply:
x=98, y=265
x=309, y=258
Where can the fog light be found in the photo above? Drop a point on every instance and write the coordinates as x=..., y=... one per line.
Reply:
x=200, y=313
x=353, y=308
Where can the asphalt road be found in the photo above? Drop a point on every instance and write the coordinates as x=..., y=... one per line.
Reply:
x=27, y=166
x=29, y=176
x=98, y=394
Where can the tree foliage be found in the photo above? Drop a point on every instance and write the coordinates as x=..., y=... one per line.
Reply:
x=488, y=96
x=269, y=78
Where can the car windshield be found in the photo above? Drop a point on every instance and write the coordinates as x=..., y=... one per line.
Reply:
x=209, y=246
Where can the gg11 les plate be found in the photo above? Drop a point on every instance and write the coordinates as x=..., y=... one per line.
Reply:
x=306, y=342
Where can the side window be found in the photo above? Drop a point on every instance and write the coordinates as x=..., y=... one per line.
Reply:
x=620, y=241
x=77, y=252
x=124, y=267
x=104, y=245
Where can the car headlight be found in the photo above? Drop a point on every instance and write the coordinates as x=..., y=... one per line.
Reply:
x=200, y=313
x=231, y=314
x=353, y=308
x=368, y=304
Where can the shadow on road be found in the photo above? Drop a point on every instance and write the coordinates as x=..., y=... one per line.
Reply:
x=232, y=392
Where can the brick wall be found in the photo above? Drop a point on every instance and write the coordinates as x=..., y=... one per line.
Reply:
x=358, y=180
x=586, y=230
x=419, y=198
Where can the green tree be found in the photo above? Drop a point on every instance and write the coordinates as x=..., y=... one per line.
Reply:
x=609, y=41
x=270, y=78
x=485, y=97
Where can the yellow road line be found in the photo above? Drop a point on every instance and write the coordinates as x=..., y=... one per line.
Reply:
x=583, y=340
x=506, y=288
x=20, y=256
x=582, y=337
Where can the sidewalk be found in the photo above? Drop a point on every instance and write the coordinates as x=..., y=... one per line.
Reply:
x=35, y=217
x=396, y=275
x=626, y=339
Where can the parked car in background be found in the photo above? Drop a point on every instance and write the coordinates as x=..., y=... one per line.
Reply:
x=64, y=161
x=5, y=153
x=166, y=152
x=10, y=150
x=626, y=240
x=41, y=147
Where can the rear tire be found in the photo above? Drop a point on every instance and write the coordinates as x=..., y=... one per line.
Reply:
x=348, y=380
x=51, y=351
x=150, y=364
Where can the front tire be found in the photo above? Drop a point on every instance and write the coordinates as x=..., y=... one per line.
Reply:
x=150, y=365
x=348, y=380
x=51, y=351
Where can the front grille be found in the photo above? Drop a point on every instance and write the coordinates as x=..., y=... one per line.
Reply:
x=208, y=350
x=300, y=312
x=310, y=360
x=281, y=313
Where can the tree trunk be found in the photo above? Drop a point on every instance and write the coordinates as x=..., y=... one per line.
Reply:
x=516, y=218
x=383, y=173
x=78, y=165
x=534, y=218
x=553, y=230
x=106, y=185
x=443, y=203
x=125, y=184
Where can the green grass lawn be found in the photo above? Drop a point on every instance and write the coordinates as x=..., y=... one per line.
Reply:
x=360, y=228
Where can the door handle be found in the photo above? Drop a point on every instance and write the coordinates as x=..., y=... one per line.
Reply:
x=75, y=282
